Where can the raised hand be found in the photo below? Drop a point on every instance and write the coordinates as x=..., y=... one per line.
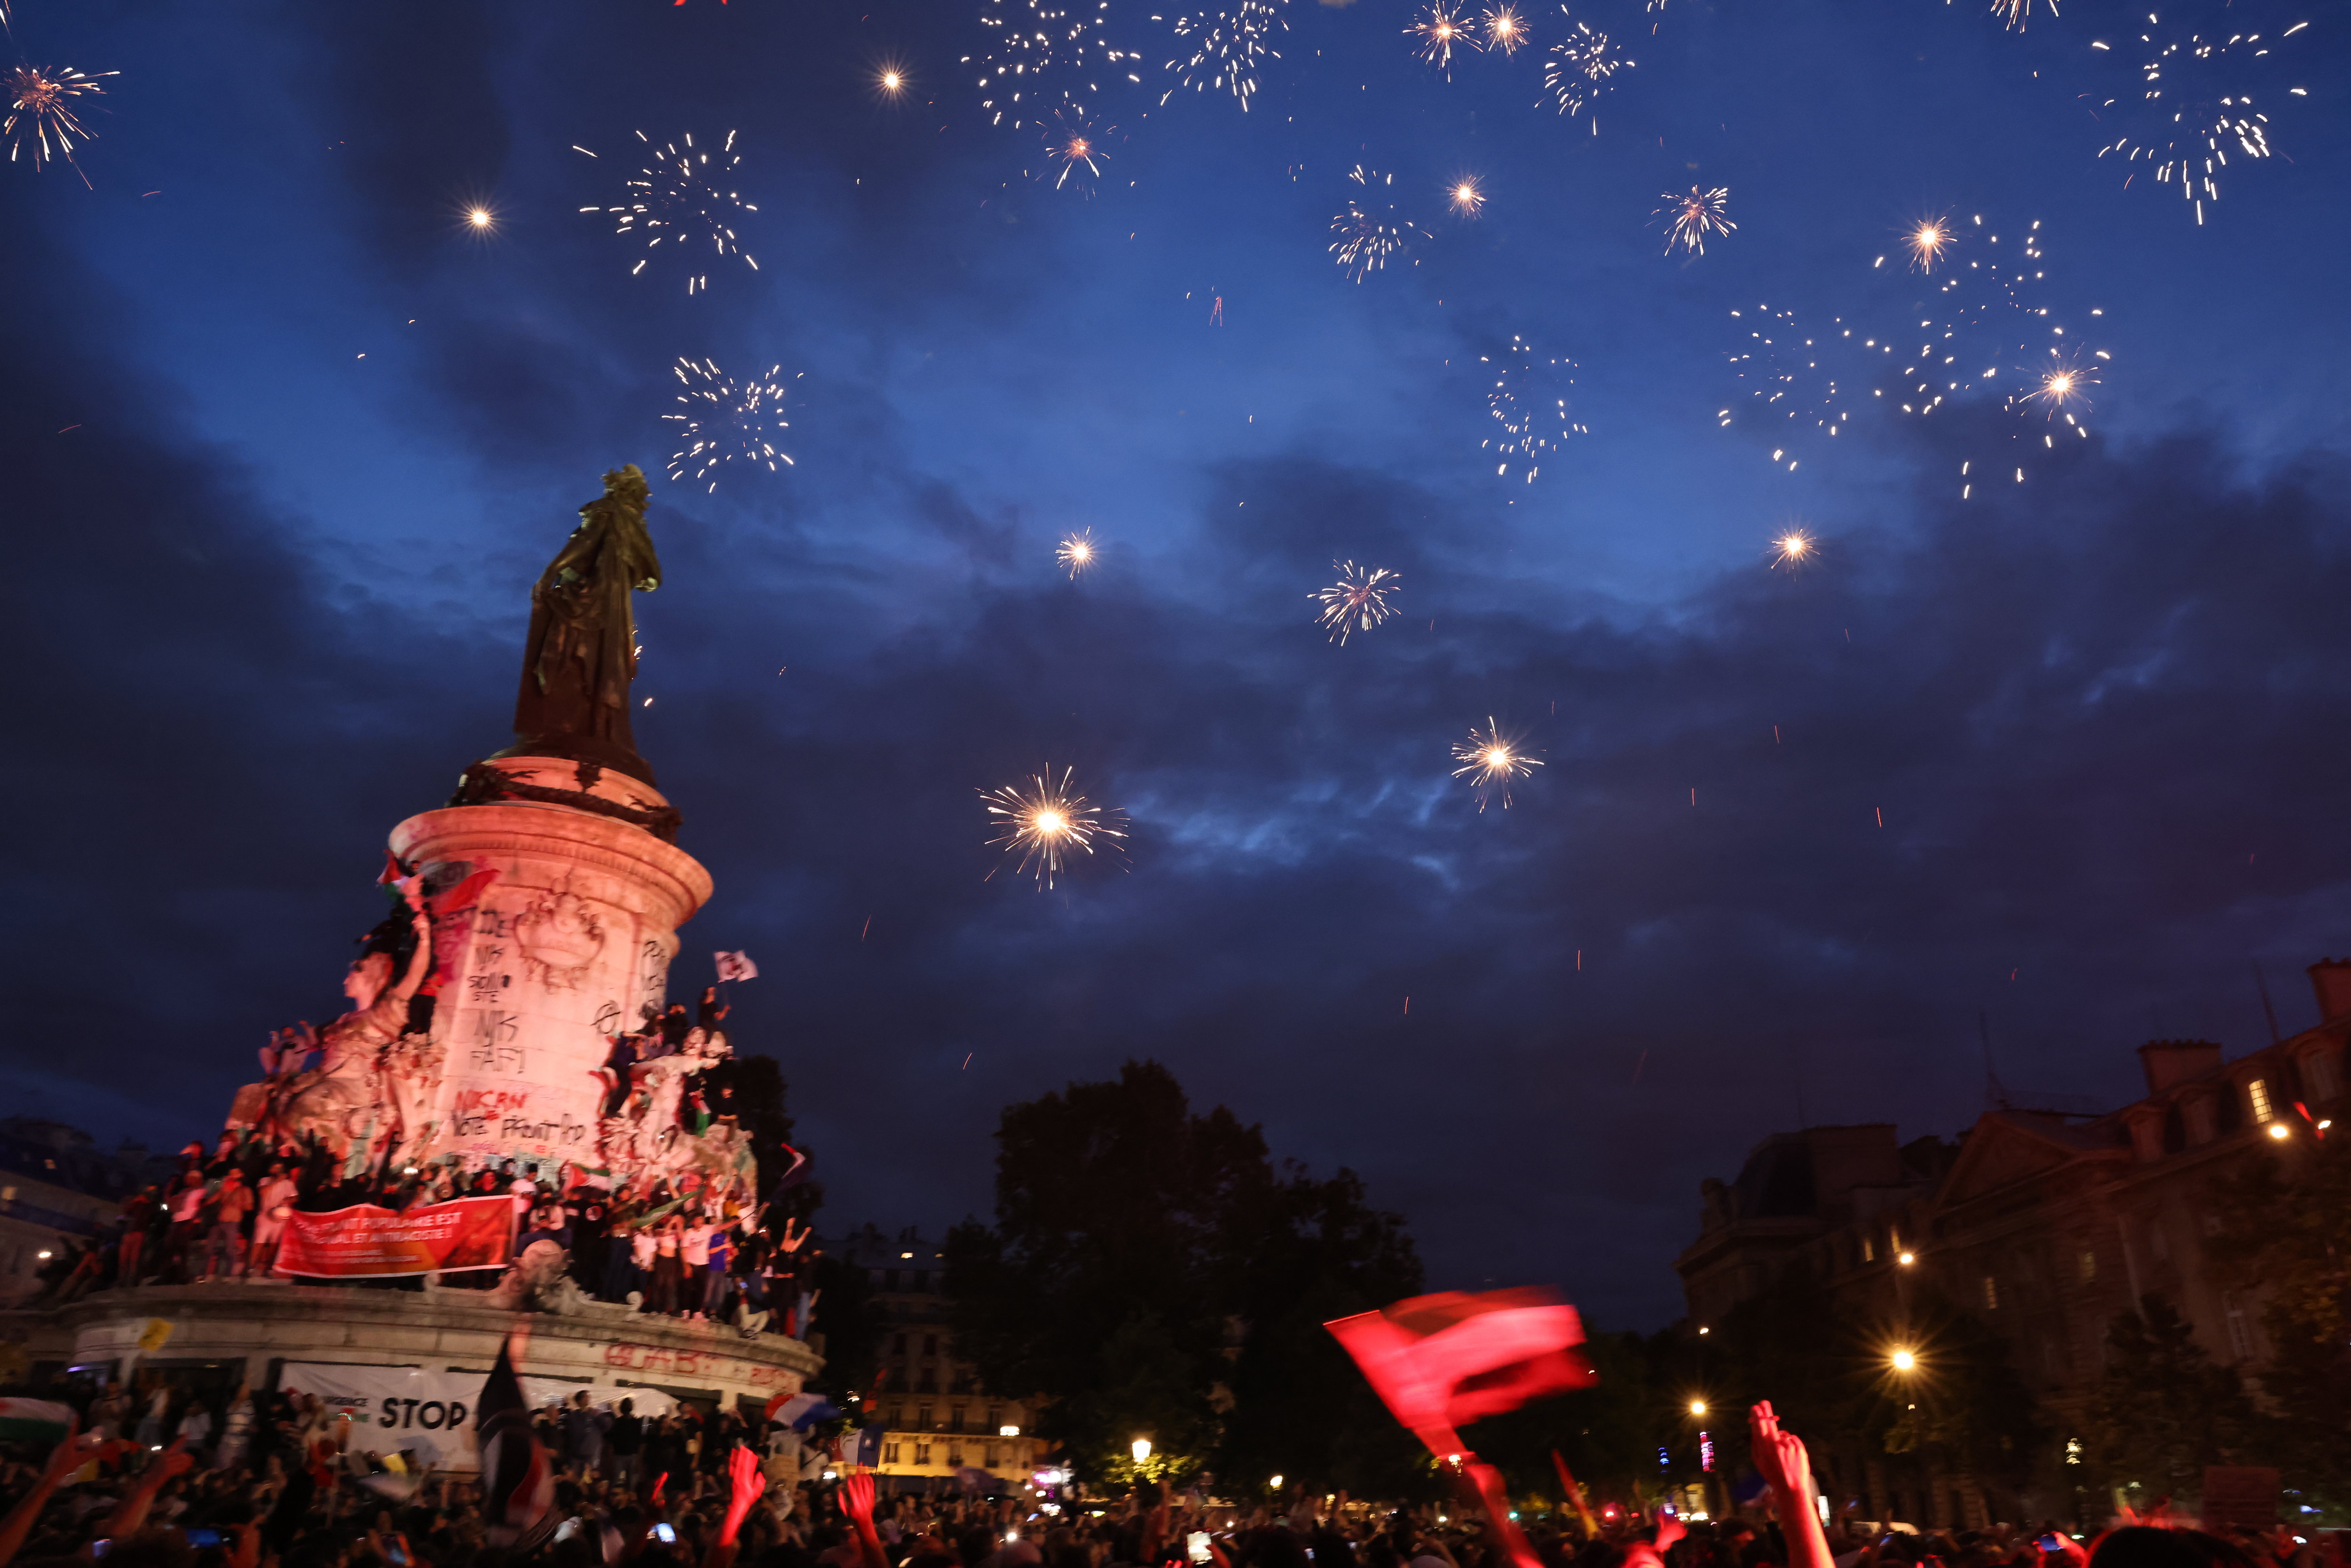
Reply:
x=857, y=1498
x=1779, y=1455
x=743, y=1469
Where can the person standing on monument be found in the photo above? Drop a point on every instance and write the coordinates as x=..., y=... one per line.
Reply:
x=668, y=1267
x=224, y=1243
x=275, y=1201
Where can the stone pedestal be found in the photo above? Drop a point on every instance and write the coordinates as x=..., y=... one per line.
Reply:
x=570, y=947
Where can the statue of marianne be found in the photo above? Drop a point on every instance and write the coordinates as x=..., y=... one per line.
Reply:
x=582, y=651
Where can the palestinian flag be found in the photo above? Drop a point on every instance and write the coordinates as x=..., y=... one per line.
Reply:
x=34, y=1421
x=1442, y=1362
x=517, y=1482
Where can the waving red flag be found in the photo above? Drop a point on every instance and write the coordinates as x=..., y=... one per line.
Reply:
x=1442, y=1362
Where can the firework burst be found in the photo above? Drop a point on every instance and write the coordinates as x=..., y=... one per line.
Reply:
x=1695, y=217
x=679, y=200
x=726, y=421
x=1046, y=822
x=1465, y=197
x=1077, y=551
x=1229, y=45
x=889, y=81
x=1794, y=548
x=1928, y=241
x=2193, y=107
x=1441, y=31
x=1046, y=52
x=1492, y=762
x=2014, y=13
x=41, y=112
x=1576, y=71
x=1505, y=30
x=2064, y=384
x=1358, y=601
x=1370, y=233
x=1526, y=402
x=1074, y=152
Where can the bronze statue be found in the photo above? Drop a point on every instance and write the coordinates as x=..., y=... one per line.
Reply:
x=581, y=654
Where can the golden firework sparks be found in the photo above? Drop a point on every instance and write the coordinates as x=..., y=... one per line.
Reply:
x=677, y=201
x=2014, y=13
x=1792, y=549
x=1440, y=32
x=1074, y=153
x=726, y=421
x=1577, y=71
x=1031, y=40
x=1927, y=242
x=1695, y=217
x=41, y=111
x=1370, y=232
x=1077, y=551
x=1228, y=41
x=1358, y=601
x=2062, y=385
x=1047, y=822
x=1466, y=198
x=889, y=81
x=1505, y=30
x=1492, y=761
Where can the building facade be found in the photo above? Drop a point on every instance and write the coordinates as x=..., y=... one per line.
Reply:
x=939, y=1421
x=58, y=1191
x=2046, y=1225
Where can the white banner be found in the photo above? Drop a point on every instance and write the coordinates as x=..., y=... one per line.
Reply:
x=430, y=1415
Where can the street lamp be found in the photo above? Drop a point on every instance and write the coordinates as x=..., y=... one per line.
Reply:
x=1903, y=1359
x=1141, y=1447
x=1697, y=1406
x=1907, y=1258
x=2280, y=1131
x=1276, y=1483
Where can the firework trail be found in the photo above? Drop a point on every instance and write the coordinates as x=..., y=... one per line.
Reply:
x=726, y=421
x=2194, y=105
x=1492, y=762
x=1077, y=551
x=678, y=200
x=1695, y=217
x=1440, y=32
x=1358, y=601
x=1524, y=401
x=1370, y=232
x=1043, y=53
x=1073, y=147
x=1576, y=72
x=1047, y=822
x=41, y=117
x=1505, y=30
x=2014, y=13
x=1227, y=46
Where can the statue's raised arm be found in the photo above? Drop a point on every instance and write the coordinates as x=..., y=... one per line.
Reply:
x=582, y=651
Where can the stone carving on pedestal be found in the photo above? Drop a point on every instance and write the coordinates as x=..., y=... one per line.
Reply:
x=517, y=1012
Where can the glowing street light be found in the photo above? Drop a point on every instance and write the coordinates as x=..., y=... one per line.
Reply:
x=2280, y=1131
x=1903, y=1359
x=1141, y=1447
x=1275, y=1483
x=1697, y=1406
x=1907, y=1258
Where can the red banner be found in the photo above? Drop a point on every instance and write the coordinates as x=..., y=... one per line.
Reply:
x=367, y=1241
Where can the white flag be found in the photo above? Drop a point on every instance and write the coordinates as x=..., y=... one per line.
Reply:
x=736, y=967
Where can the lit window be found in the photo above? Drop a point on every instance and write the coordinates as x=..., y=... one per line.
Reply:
x=921, y=1453
x=2258, y=1092
x=888, y=1453
x=1991, y=1294
x=2089, y=1266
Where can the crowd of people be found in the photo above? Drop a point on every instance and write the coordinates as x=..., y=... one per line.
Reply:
x=268, y=1485
x=693, y=1247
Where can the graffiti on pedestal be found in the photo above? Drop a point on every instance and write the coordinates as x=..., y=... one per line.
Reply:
x=560, y=937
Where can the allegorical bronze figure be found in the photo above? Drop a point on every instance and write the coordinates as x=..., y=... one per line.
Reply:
x=583, y=650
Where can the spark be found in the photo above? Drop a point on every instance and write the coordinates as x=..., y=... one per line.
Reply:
x=1037, y=39
x=480, y=219
x=2014, y=13
x=1076, y=551
x=41, y=110
x=2061, y=387
x=1358, y=601
x=1467, y=199
x=1046, y=822
x=1696, y=216
x=677, y=200
x=1368, y=234
x=1440, y=32
x=1505, y=30
x=1491, y=761
x=2193, y=108
x=889, y=81
x=1533, y=420
x=1228, y=43
x=726, y=421
x=1794, y=548
x=1073, y=147
x=1927, y=243
x=1577, y=71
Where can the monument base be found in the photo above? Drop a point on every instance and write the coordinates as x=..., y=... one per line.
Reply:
x=221, y=1336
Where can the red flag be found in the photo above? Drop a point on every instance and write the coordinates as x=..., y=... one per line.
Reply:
x=1442, y=1362
x=776, y=1404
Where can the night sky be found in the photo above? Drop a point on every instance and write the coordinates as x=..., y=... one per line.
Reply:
x=287, y=444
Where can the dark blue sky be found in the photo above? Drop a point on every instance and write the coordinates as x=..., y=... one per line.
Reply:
x=266, y=594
